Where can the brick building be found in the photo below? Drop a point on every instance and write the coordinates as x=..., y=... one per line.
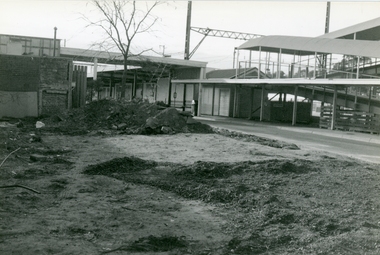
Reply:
x=34, y=86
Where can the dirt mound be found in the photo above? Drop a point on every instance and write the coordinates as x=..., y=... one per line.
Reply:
x=119, y=165
x=156, y=244
x=257, y=139
x=209, y=170
x=166, y=121
x=122, y=116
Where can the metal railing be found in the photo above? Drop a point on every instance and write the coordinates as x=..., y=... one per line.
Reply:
x=273, y=70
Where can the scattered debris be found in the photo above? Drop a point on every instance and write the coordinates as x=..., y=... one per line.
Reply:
x=20, y=186
x=9, y=155
x=35, y=157
x=39, y=124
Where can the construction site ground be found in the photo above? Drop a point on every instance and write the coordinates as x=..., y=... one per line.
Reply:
x=108, y=180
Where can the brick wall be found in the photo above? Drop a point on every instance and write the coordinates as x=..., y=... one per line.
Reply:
x=19, y=73
x=54, y=73
x=53, y=102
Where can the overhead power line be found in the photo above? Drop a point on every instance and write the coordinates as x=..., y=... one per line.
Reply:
x=219, y=33
x=224, y=33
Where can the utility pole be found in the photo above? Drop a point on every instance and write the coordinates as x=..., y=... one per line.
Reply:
x=327, y=24
x=187, y=39
x=327, y=29
x=55, y=39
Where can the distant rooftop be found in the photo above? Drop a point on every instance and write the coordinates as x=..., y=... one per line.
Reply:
x=87, y=55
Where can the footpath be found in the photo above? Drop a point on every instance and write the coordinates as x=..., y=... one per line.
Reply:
x=302, y=129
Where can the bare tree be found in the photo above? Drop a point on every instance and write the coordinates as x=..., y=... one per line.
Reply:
x=122, y=21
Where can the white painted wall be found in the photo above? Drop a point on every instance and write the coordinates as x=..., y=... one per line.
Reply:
x=18, y=104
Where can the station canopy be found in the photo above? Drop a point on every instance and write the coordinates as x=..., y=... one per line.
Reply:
x=309, y=45
x=368, y=30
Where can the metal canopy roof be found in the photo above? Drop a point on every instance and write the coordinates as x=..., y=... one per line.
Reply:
x=117, y=58
x=368, y=30
x=286, y=82
x=309, y=45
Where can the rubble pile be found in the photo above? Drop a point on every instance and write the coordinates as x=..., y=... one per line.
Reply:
x=126, y=117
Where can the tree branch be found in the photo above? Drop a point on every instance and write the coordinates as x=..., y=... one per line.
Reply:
x=8, y=156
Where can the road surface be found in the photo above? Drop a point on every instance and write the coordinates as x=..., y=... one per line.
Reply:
x=353, y=144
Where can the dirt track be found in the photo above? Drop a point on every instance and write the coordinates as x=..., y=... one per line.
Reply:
x=184, y=194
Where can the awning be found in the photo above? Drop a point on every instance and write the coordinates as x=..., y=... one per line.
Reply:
x=309, y=45
x=368, y=30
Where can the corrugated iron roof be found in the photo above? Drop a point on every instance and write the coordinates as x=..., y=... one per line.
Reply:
x=286, y=82
x=224, y=73
x=309, y=45
x=117, y=58
x=368, y=30
x=231, y=73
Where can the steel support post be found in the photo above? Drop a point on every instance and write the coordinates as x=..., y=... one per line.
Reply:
x=235, y=102
x=184, y=97
x=262, y=103
x=213, y=100
x=312, y=100
x=199, y=99
x=234, y=60
x=170, y=87
x=345, y=97
x=278, y=75
x=369, y=98
x=294, y=119
x=330, y=62
x=315, y=65
x=237, y=64
x=334, y=108
x=135, y=83
x=293, y=64
x=299, y=65
x=250, y=58
x=95, y=71
x=259, y=68
x=357, y=68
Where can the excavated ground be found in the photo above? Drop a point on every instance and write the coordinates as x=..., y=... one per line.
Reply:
x=97, y=189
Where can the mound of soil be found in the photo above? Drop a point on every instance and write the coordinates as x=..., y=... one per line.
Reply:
x=109, y=116
x=120, y=165
x=257, y=139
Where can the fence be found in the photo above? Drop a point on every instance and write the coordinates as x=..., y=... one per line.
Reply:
x=350, y=120
x=80, y=87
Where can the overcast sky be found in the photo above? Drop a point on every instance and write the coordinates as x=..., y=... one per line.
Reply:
x=301, y=18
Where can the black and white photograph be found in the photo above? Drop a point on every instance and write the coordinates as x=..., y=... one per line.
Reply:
x=189, y=127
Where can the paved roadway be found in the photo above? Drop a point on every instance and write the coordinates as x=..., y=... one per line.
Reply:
x=354, y=144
